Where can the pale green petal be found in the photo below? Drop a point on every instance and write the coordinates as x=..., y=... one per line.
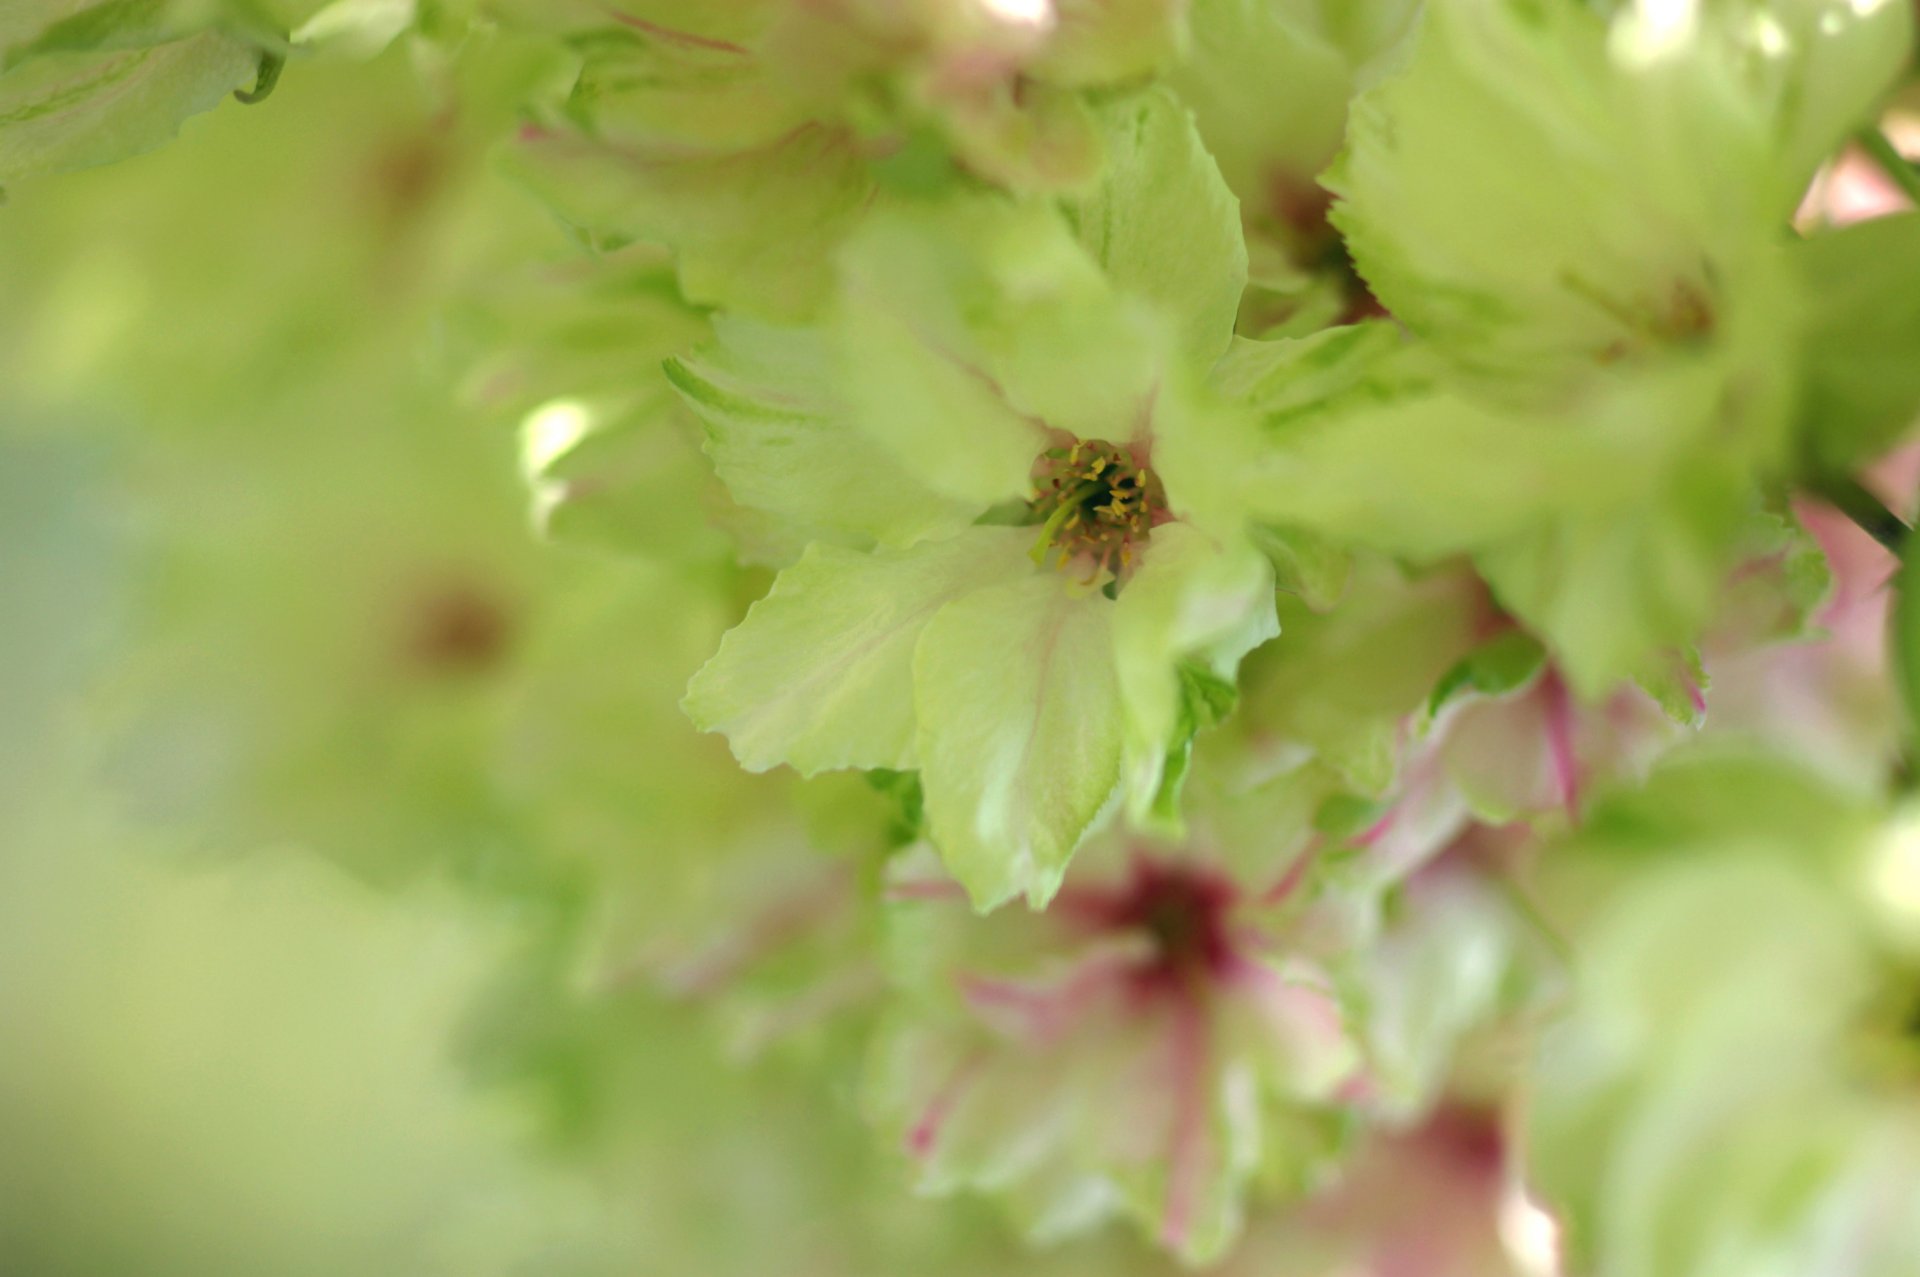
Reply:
x=1611, y=588
x=1268, y=91
x=753, y=229
x=71, y=110
x=1020, y=733
x=971, y=333
x=1862, y=390
x=783, y=441
x=820, y=673
x=1025, y=136
x=625, y=476
x=1641, y=239
x=1163, y=224
x=1105, y=41
x=928, y=298
x=1190, y=598
x=1814, y=70
x=1427, y=474
x=1342, y=683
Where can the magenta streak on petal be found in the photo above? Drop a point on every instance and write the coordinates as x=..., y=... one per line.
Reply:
x=1697, y=697
x=1186, y=1147
x=1047, y=1012
x=1297, y=871
x=1566, y=767
x=1357, y=1089
x=925, y=889
x=784, y=920
x=933, y=1119
x=1378, y=829
x=685, y=39
x=1299, y=1002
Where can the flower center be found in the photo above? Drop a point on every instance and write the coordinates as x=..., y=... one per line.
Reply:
x=1096, y=505
x=1183, y=910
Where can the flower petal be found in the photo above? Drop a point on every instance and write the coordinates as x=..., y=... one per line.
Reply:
x=783, y=441
x=1162, y=222
x=1190, y=598
x=1020, y=732
x=819, y=674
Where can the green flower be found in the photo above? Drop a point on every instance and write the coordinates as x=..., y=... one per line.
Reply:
x=1159, y=1045
x=753, y=137
x=1003, y=589
x=1605, y=375
x=1732, y=1091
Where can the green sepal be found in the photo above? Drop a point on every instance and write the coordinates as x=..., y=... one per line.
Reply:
x=907, y=802
x=1501, y=666
x=1678, y=682
x=1346, y=816
x=1312, y=568
x=1906, y=632
x=1206, y=699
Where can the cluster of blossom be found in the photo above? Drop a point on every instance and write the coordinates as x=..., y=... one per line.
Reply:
x=1322, y=620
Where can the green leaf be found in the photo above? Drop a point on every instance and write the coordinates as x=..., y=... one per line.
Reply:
x=902, y=790
x=1020, y=735
x=1862, y=384
x=1162, y=223
x=820, y=673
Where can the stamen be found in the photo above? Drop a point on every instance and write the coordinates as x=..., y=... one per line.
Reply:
x=1095, y=503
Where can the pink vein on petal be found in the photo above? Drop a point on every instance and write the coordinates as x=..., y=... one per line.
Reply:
x=1296, y=872
x=1187, y=1144
x=1378, y=829
x=933, y=1119
x=686, y=39
x=1046, y=1012
x=925, y=889
x=1566, y=767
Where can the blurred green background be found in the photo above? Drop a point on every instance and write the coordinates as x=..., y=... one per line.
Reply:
x=319, y=774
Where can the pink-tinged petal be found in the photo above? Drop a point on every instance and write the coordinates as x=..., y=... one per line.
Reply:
x=780, y=922
x=1041, y=1013
x=1296, y=872
x=930, y=889
x=685, y=39
x=1559, y=724
x=1298, y=1025
x=924, y=1136
x=1187, y=1143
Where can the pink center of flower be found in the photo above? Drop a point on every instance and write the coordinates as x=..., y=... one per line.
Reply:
x=1182, y=909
